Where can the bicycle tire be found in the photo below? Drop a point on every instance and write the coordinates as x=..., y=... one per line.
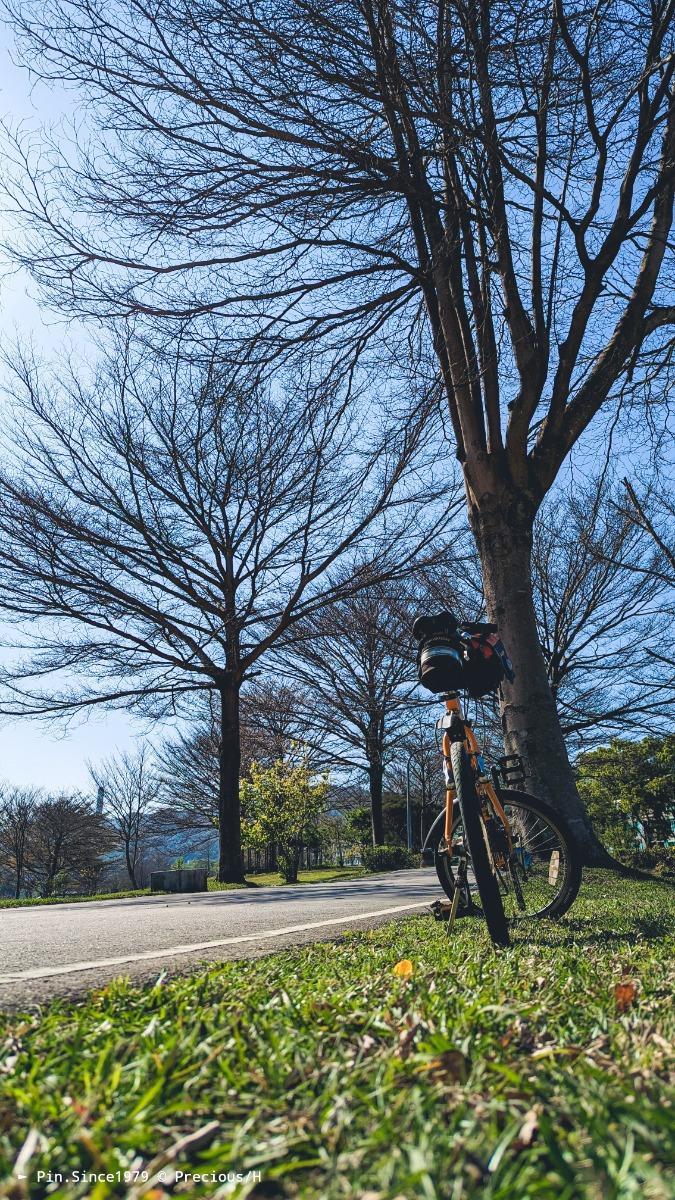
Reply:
x=572, y=880
x=487, y=884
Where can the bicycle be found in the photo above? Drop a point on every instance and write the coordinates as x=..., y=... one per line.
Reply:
x=519, y=850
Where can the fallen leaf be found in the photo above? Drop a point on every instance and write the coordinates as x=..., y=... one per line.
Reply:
x=624, y=994
x=451, y=1064
x=528, y=1129
x=404, y=968
x=405, y=1040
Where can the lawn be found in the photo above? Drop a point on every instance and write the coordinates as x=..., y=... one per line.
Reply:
x=546, y=1071
x=313, y=875
x=269, y=879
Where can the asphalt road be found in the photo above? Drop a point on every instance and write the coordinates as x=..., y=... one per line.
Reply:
x=65, y=949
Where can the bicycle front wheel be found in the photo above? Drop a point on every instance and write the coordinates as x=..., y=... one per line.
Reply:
x=477, y=845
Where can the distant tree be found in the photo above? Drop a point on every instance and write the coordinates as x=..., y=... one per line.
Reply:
x=272, y=729
x=162, y=529
x=356, y=664
x=282, y=804
x=418, y=760
x=68, y=844
x=629, y=788
x=359, y=825
x=17, y=816
x=130, y=790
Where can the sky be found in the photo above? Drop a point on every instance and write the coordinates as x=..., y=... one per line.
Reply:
x=31, y=752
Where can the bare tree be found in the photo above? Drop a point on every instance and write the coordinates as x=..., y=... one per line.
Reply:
x=67, y=844
x=356, y=663
x=603, y=614
x=162, y=529
x=130, y=793
x=488, y=185
x=655, y=514
x=272, y=730
x=17, y=817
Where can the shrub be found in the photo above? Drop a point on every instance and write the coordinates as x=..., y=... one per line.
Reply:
x=388, y=858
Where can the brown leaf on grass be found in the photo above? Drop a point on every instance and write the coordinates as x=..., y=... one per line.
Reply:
x=450, y=1065
x=624, y=994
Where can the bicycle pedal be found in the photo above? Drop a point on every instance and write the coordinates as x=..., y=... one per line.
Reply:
x=442, y=910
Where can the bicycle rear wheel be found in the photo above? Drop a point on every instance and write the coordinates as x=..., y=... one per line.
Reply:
x=477, y=845
x=546, y=866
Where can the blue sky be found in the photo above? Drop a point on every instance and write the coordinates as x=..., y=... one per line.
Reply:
x=32, y=753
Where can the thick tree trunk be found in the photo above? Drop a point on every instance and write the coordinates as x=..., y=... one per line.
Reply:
x=529, y=718
x=230, y=867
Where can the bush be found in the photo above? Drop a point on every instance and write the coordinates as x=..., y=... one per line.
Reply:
x=388, y=858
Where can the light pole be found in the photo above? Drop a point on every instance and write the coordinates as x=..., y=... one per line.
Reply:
x=408, y=805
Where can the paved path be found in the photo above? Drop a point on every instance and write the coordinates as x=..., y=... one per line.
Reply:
x=64, y=949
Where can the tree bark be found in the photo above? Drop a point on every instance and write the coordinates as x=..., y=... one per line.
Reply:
x=131, y=870
x=231, y=866
x=375, y=774
x=530, y=723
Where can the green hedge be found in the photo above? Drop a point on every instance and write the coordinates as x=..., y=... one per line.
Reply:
x=388, y=858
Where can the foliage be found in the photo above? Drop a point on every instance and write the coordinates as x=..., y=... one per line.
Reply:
x=388, y=858
x=281, y=804
x=541, y=1073
x=359, y=826
x=629, y=790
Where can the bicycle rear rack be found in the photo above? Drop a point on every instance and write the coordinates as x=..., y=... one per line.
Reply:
x=511, y=770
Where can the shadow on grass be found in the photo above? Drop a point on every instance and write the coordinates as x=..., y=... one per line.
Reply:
x=652, y=928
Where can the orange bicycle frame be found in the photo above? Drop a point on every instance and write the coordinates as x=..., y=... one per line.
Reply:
x=484, y=787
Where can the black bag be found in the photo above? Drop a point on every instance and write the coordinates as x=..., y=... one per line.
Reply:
x=486, y=664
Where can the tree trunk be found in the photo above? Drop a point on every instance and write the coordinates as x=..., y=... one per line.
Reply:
x=529, y=717
x=375, y=773
x=130, y=868
x=230, y=866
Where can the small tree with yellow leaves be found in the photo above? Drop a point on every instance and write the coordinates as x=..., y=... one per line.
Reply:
x=282, y=804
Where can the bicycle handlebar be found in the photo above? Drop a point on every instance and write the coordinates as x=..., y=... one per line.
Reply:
x=446, y=624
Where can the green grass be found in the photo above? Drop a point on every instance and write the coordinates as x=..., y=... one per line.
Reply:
x=313, y=875
x=513, y=1077
x=33, y=900
x=268, y=879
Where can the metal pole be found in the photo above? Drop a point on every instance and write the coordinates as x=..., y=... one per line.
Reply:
x=408, y=806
